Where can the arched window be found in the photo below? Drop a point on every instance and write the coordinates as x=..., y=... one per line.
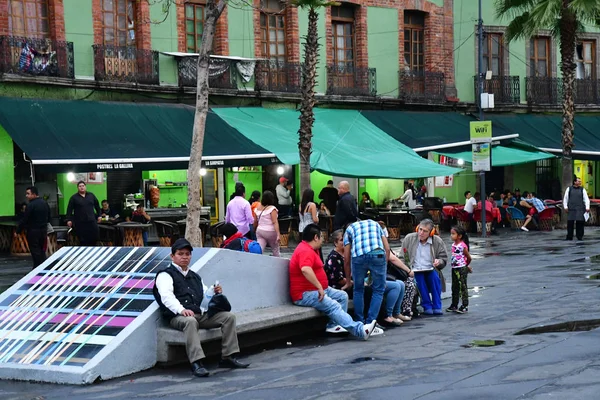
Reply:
x=28, y=18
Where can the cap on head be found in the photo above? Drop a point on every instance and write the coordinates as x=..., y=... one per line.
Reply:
x=282, y=179
x=180, y=244
x=228, y=230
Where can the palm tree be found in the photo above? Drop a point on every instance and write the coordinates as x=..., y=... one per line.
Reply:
x=309, y=80
x=565, y=19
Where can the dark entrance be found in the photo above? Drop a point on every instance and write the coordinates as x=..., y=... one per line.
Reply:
x=494, y=180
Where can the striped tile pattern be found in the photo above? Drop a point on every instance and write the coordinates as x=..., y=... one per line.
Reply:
x=76, y=303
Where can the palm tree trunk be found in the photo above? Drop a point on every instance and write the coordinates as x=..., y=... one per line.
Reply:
x=307, y=116
x=568, y=37
x=192, y=230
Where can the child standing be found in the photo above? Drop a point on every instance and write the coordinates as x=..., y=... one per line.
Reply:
x=460, y=261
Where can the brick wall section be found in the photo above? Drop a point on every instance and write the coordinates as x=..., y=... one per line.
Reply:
x=143, y=39
x=221, y=39
x=292, y=33
x=56, y=16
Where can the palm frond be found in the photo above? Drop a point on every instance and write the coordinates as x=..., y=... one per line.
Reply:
x=314, y=4
x=587, y=11
x=512, y=8
x=521, y=27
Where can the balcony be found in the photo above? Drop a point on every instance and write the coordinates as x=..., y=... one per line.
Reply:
x=278, y=76
x=506, y=89
x=36, y=57
x=549, y=91
x=220, y=75
x=422, y=87
x=125, y=64
x=348, y=80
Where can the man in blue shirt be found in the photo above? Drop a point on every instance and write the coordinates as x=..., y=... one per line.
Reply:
x=533, y=205
x=366, y=249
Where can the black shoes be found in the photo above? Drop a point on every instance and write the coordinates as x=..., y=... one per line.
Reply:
x=232, y=363
x=199, y=370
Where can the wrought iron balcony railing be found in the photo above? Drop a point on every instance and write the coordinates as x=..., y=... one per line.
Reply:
x=220, y=72
x=278, y=76
x=506, y=89
x=36, y=57
x=125, y=64
x=422, y=87
x=544, y=90
x=347, y=80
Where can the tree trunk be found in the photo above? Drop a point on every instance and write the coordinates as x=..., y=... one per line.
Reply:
x=568, y=37
x=307, y=116
x=192, y=231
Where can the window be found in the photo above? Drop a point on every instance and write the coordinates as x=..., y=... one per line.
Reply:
x=194, y=26
x=539, y=57
x=119, y=22
x=414, y=31
x=28, y=18
x=586, y=60
x=342, y=22
x=272, y=30
x=493, y=53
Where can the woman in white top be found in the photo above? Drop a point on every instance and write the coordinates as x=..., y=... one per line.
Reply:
x=266, y=223
x=308, y=210
x=410, y=197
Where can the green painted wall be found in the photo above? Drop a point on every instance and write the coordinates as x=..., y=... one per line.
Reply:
x=321, y=86
x=68, y=189
x=174, y=195
x=462, y=182
x=79, y=29
x=370, y=186
x=164, y=38
x=318, y=181
x=389, y=189
x=383, y=48
x=252, y=181
x=524, y=177
x=7, y=189
x=241, y=31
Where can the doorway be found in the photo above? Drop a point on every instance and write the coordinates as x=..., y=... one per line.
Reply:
x=209, y=193
x=494, y=180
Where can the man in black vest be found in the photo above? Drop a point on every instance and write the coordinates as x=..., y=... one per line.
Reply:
x=576, y=202
x=35, y=220
x=179, y=292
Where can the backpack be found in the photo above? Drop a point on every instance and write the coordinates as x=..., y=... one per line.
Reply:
x=250, y=246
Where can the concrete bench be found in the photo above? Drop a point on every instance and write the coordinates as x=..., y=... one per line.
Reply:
x=171, y=342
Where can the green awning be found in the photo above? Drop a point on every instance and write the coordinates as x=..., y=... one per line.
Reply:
x=344, y=143
x=503, y=156
x=94, y=136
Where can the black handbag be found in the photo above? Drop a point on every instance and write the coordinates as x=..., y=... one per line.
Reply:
x=396, y=273
x=217, y=304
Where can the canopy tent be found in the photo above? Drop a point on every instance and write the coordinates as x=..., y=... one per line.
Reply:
x=502, y=156
x=426, y=131
x=544, y=131
x=93, y=136
x=344, y=143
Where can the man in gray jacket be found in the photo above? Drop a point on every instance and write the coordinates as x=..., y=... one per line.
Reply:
x=426, y=255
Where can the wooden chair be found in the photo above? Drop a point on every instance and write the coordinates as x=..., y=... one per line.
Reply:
x=167, y=232
x=324, y=224
x=517, y=218
x=546, y=218
x=285, y=227
x=52, y=245
x=215, y=235
x=408, y=223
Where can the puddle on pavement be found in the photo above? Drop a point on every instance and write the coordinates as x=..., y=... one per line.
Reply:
x=592, y=259
x=571, y=326
x=365, y=359
x=483, y=343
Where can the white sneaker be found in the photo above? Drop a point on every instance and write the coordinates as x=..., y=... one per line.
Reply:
x=377, y=331
x=369, y=329
x=336, y=329
x=524, y=229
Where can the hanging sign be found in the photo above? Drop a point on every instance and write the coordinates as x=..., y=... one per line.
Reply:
x=482, y=156
x=481, y=131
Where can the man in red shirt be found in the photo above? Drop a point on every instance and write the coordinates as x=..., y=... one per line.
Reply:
x=308, y=287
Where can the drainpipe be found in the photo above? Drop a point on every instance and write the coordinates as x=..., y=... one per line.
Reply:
x=31, y=170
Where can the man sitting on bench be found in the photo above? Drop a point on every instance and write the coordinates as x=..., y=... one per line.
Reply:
x=179, y=293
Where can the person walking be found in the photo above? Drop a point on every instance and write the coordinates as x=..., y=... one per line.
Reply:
x=575, y=203
x=366, y=249
x=266, y=224
x=83, y=214
x=35, y=221
x=239, y=212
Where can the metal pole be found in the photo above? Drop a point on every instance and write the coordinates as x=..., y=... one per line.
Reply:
x=481, y=116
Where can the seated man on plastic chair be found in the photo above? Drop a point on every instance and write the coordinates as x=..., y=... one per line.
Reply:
x=534, y=207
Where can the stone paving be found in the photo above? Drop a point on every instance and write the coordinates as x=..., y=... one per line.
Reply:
x=521, y=280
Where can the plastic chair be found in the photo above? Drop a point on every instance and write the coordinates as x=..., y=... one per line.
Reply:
x=546, y=218
x=517, y=218
x=488, y=221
